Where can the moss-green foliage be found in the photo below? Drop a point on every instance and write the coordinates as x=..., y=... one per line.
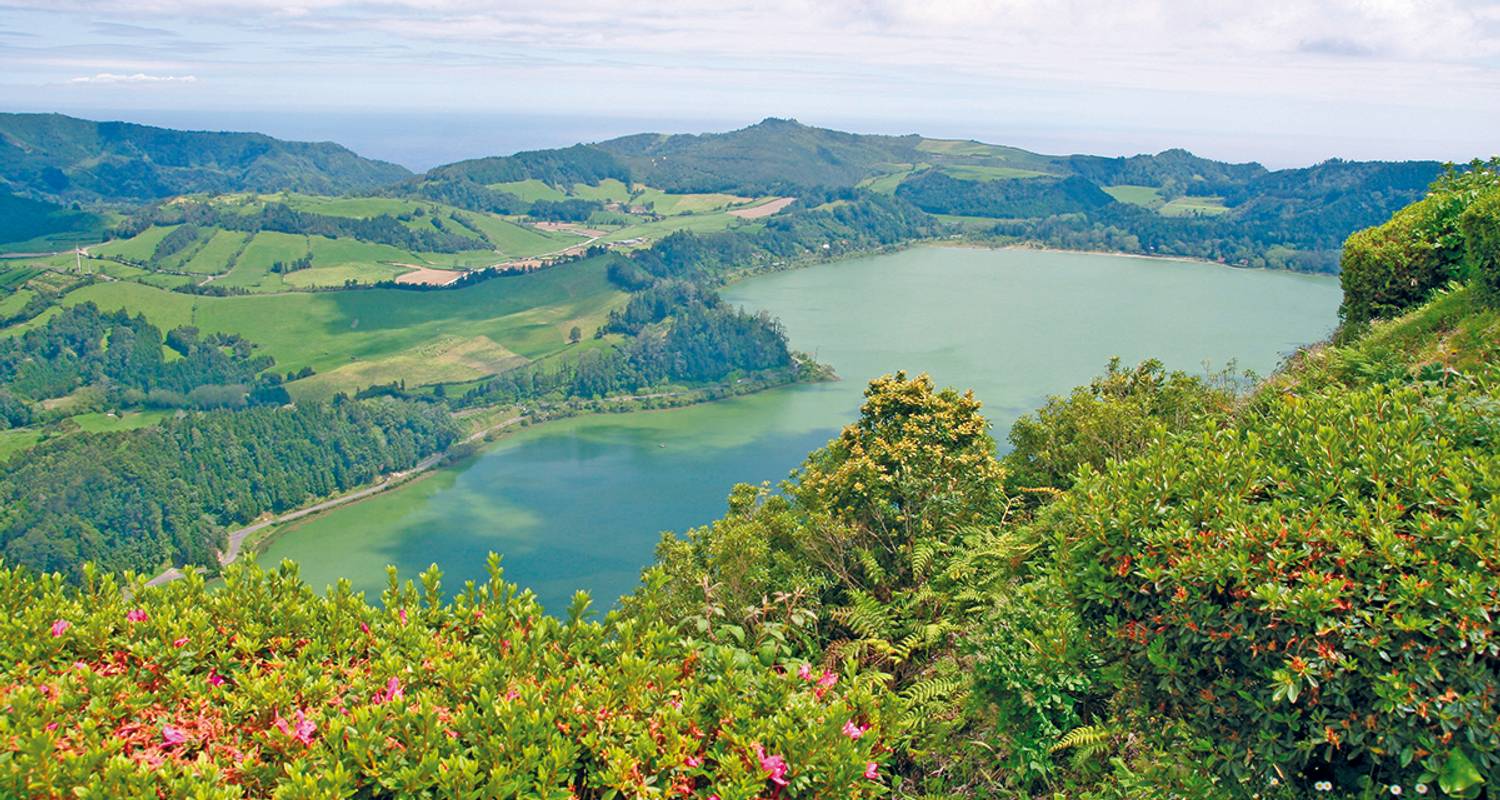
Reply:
x=264, y=688
x=1396, y=266
x=54, y=156
x=1480, y=225
x=1313, y=591
x=1114, y=417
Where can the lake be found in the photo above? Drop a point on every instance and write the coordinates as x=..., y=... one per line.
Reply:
x=581, y=503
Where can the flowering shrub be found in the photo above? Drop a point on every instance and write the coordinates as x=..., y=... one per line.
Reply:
x=265, y=688
x=1315, y=592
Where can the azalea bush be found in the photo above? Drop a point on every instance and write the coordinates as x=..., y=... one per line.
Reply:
x=1314, y=592
x=264, y=688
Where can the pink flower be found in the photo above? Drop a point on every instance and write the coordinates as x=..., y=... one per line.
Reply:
x=52, y=726
x=364, y=627
x=171, y=736
x=135, y=615
x=872, y=771
x=853, y=731
x=402, y=615
x=215, y=679
x=675, y=703
x=180, y=642
x=392, y=691
x=304, y=730
x=805, y=672
x=827, y=680
x=775, y=766
x=693, y=762
x=60, y=627
x=511, y=694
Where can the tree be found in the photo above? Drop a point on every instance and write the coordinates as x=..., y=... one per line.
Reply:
x=575, y=334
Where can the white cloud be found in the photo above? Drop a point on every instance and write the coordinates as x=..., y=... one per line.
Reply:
x=139, y=77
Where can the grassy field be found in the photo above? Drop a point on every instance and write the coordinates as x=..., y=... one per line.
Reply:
x=671, y=204
x=698, y=223
x=138, y=247
x=608, y=190
x=519, y=241
x=99, y=422
x=388, y=333
x=886, y=184
x=15, y=301
x=1190, y=206
x=981, y=172
x=341, y=274
x=216, y=256
x=16, y=440
x=1143, y=196
x=13, y=275
x=530, y=190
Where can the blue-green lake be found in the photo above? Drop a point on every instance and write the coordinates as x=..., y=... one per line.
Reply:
x=581, y=503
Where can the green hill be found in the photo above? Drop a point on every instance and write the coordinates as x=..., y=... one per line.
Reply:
x=56, y=157
x=1171, y=587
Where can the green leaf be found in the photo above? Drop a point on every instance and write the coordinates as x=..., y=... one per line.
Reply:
x=1459, y=776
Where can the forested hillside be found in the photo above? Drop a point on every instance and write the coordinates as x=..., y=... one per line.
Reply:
x=1170, y=587
x=55, y=157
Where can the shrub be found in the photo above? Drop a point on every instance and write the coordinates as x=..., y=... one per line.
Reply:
x=1313, y=592
x=1480, y=224
x=265, y=688
x=1392, y=267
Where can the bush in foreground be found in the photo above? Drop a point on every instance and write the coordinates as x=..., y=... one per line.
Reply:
x=264, y=688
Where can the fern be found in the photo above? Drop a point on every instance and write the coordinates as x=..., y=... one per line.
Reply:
x=1086, y=741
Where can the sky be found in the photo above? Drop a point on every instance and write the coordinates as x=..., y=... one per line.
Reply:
x=1283, y=82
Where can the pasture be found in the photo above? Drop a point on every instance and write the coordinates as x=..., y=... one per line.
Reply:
x=388, y=333
x=1194, y=206
x=1143, y=196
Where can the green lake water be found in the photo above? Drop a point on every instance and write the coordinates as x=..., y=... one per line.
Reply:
x=581, y=503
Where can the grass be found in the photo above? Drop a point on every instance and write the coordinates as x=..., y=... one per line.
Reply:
x=528, y=315
x=671, y=204
x=531, y=190
x=983, y=172
x=1143, y=196
x=101, y=422
x=698, y=223
x=15, y=301
x=518, y=241
x=215, y=257
x=608, y=190
x=16, y=440
x=1191, y=206
x=138, y=247
x=342, y=274
x=446, y=359
x=13, y=275
x=886, y=184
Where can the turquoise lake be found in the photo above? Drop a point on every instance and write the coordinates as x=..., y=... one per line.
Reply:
x=581, y=503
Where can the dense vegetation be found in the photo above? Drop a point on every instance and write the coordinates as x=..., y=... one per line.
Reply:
x=436, y=237
x=22, y=219
x=125, y=356
x=1171, y=587
x=143, y=498
x=54, y=157
x=940, y=193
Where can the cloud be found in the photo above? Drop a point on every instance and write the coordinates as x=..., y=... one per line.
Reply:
x=128, y=31
x=1336, y=46
x=137, y=78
